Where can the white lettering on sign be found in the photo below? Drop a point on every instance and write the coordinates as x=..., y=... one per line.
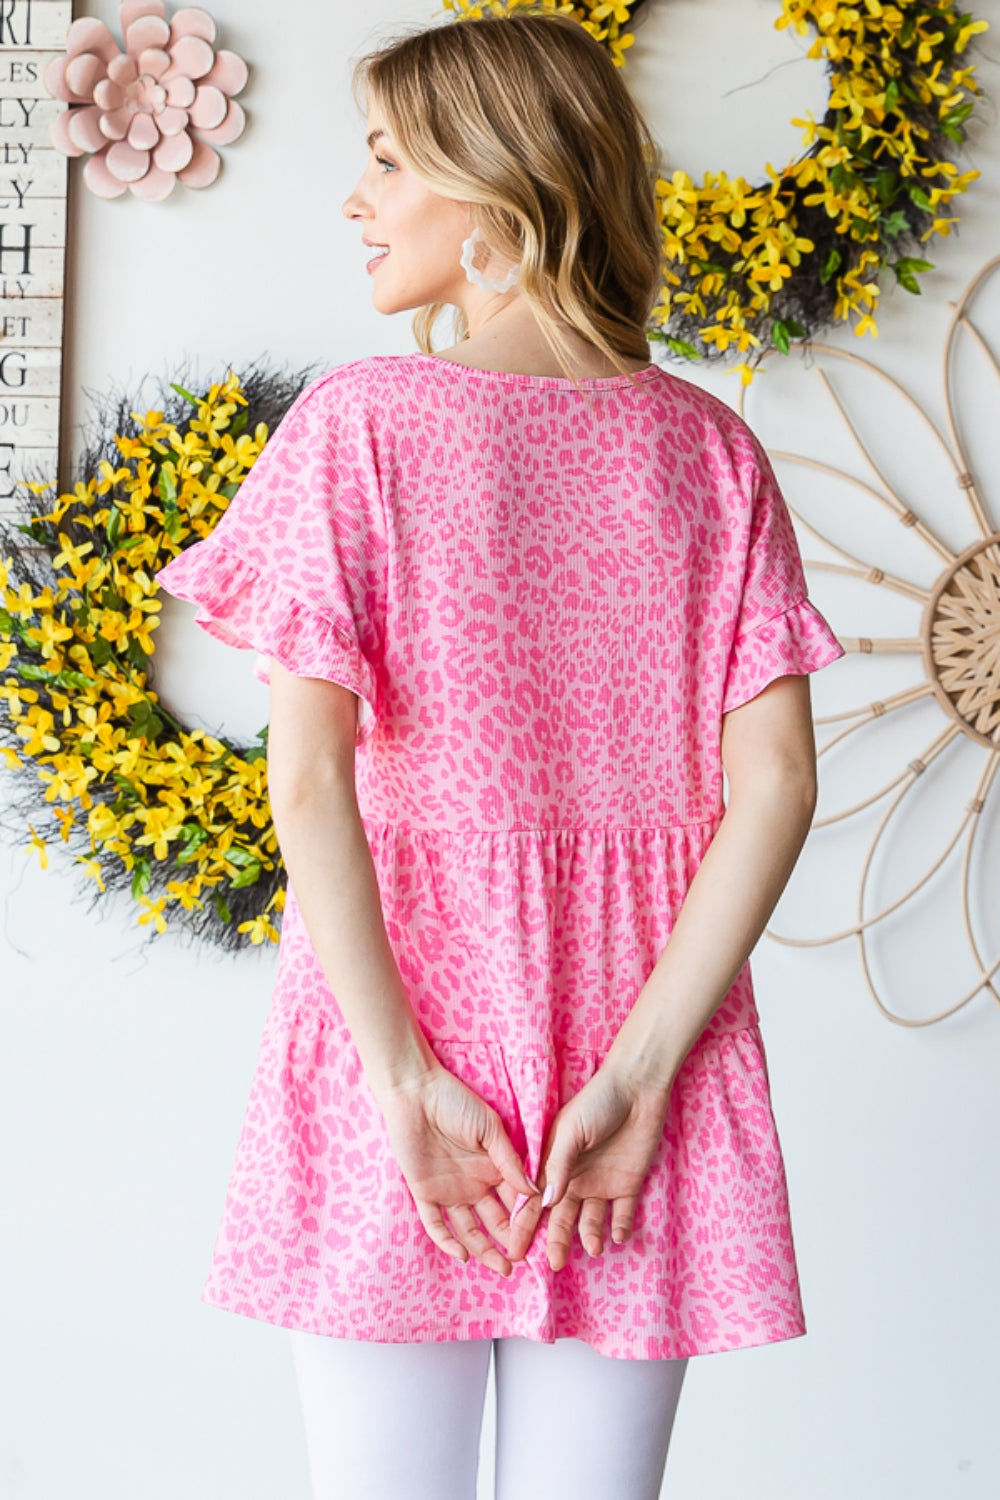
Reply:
x=32, y=245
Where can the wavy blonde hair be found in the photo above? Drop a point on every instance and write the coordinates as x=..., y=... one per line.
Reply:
x=524, y=115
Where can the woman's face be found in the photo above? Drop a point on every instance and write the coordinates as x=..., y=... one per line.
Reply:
x=423, y=231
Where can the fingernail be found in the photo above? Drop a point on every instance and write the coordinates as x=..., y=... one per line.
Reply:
x=548, y=1195
x=519, y=1203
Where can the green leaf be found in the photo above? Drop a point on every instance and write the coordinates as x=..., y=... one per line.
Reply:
x=236, y=855
x=249, y=876
x=885, y=186
x=223, y=910
x=832, y=262
x=69, y=678
x=167, y=483
x=101, y=651
x=186, y=394
x=959, y=113
x=188, y=855
x=914, y=263
x=31, y=672
x=116, y=525
x=794, y=328
x=906, y=31
x=140, y=877
x=779, y=335
x=891, y=95
x=920, y=198
x=228, y=490
x=6, y=623
x=843, y=179
x=909, y=283
x=238, y=425
x=34, y=529
x=172, y=523
x=132, y=541
x=893, y=224
x=681, y=346
x=143, y=719
x=134, y=654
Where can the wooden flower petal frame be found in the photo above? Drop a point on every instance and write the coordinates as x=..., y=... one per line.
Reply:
x=959, y=646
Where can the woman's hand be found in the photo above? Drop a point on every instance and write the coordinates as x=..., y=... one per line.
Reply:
x=597, y=1151
x=453, y=1151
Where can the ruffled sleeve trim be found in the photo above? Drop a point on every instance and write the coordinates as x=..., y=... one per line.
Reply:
x=798, y=640
x=240, y=606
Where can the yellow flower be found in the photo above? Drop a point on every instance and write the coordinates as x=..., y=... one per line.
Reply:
x=48, y=633
x=35, y=732
x=102, y=824
x=153, y=912
x=939, y=226
x=65, y=815
x=259, y=929
x=746, y=373
x=91, y=868
x=184, y=893
x=774, y=275
x=70, y=554
x=14, y=694
x=37, y=842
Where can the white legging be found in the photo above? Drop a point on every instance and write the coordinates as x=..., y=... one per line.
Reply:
x=403, y=1421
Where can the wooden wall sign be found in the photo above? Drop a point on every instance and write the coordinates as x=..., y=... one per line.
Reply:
x=33, y=179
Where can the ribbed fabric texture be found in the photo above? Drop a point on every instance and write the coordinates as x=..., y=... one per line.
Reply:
x=545, y=601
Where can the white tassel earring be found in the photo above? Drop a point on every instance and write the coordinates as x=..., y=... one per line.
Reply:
x=500, y=284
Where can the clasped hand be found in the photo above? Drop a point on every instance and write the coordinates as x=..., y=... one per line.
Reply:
x=457, y=1158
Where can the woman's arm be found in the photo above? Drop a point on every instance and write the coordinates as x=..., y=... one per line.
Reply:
x=450, y=1145
x=310, y=766
x=600, y=1144
x=769, y=754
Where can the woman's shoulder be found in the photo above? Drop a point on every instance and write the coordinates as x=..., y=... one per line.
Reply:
x=713, y=409
x=357, y=392
x=368, y=373
x=354, y=375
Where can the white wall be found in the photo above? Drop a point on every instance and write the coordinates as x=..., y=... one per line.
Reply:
x=125, y=1064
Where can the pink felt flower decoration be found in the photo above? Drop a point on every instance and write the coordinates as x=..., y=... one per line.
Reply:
x=153, y=113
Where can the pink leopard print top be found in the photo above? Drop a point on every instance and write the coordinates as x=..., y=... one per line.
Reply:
x=545, y=604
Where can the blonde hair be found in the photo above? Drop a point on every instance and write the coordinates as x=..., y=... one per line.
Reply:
x=525, y=116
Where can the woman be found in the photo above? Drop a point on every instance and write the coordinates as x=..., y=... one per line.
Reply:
x=519, y=602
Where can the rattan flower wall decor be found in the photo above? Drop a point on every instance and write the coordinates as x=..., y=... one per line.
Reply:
x=753, y=267
x=152, y=112
x=957, y=647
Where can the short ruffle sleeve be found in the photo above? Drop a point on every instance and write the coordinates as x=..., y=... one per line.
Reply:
x=295, y=568
x=779, y=631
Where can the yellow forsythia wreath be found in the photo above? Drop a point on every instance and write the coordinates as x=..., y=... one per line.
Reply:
x=751, y=268
x=180, y=816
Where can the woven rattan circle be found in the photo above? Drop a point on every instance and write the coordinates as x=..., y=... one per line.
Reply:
x=961, y=638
